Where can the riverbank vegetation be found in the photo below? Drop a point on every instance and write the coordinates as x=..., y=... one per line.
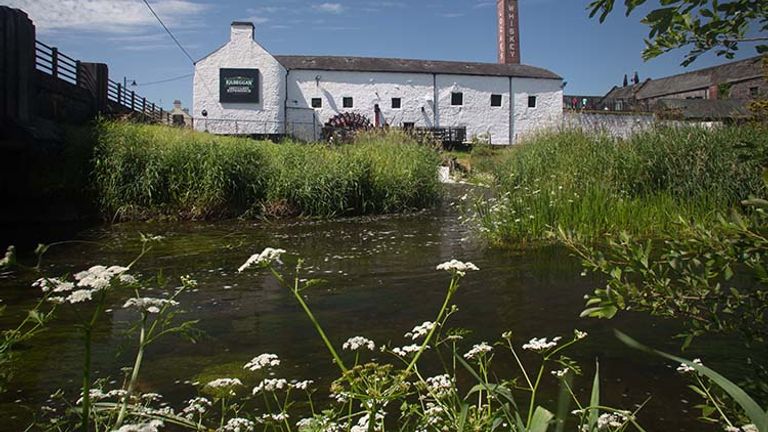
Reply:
x=144, y=171
x=596, y=185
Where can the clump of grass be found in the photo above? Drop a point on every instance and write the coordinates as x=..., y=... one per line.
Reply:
x=595, y=184
x=144, y=171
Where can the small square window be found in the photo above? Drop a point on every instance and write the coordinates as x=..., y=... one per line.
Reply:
x=409, y=125
x=396, y=103
x=754, y=92
x=495, y=100
x=531, y=101
x=317, y=102
x=457, y=99
x=348, y=102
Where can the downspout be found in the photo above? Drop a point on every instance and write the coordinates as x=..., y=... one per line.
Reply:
x=285, y=104
x=435, y=104
x=511, y=113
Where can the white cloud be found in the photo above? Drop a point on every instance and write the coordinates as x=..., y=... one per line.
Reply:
x=105, y=16
x=335, y=8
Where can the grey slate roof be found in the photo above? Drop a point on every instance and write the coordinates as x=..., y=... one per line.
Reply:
x=702, y=78
x=372, y=64
x=703, y=109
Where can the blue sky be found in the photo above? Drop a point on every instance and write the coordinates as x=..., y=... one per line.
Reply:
x=555, y=34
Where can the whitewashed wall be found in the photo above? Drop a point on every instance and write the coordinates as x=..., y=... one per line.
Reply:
x=266, y=117
x=476, y=114
x=548, y=113
x=367, y=89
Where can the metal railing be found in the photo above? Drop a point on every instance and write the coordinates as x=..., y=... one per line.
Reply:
x=49, y=60
x=129, y=100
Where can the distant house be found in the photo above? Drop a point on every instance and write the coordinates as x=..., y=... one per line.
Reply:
x=180, y=116
x=738, y=82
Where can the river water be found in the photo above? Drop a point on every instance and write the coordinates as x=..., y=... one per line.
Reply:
x=381, y=282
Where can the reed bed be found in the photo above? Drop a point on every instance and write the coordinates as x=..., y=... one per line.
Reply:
x=145, y=171
x=596, y=185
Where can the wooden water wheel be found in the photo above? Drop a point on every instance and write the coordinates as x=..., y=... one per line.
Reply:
x=343, y=127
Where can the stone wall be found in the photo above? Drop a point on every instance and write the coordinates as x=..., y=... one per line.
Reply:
x=621, y=125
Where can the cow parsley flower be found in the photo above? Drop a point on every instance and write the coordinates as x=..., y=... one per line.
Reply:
x=440, y=385
x=611, y=420
x=478, y=350
x=148, y=304
x=238, y=425
x=223, y=383
x=302, y=385
x=358, y=342
x=271, y=384
x=262, y=361
x=560, y=373
x=98, y=277
x=198, y=405
x=267, y=256
x=684, y=368
x=406, y=350
x=151, y=426
x=420, y=331
x=579, y=335
x=541, y=344
x=457, y=267
x=279, y=417
x=53, y=285
x=79, y=296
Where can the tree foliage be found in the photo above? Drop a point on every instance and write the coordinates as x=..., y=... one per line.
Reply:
x=699, y=25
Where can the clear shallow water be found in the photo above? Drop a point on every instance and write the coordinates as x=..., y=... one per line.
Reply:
x=381, y=282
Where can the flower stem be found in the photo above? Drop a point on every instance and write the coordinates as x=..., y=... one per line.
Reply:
x=134, y=371
x=451, y=290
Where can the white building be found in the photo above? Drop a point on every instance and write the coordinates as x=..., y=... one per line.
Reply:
x=243, y=89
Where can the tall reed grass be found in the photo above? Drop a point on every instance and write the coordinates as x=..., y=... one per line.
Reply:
x=595, y=184
x=144, y=171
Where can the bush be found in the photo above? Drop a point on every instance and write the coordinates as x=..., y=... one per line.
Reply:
x=144, y=171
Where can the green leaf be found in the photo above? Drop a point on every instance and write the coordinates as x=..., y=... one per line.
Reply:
x=594, y=400
x=750, y=407
x=540, y=420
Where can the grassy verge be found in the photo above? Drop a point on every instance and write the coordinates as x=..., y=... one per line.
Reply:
x=596, y=184
x=143, y=171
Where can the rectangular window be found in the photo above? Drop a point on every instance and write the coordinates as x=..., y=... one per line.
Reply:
x=754, y=92
x=495, y=100
x=348, y=102
x=409, y=125
x=396, y=103
x=317, y=102
x=457, y=99
x=531, y=101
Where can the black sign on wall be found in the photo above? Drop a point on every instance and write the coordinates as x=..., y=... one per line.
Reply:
x=239, y=85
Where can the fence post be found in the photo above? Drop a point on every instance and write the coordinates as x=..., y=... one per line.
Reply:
x=55, y=62
x=133, y=100
x=94, y=77
x=17, y=65
x=119, y=94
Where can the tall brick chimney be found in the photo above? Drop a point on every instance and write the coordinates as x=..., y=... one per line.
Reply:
x=509, y=31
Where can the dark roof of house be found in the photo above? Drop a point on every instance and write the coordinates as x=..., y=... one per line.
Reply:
x=703, y=78
x=703, y=109
x=627, y=92
x=372, y=64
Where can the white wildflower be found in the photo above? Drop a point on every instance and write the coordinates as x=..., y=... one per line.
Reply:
x=420, y=331
x=478, y=350
x=148, y=304
x=358, y=342
x=362, y=423
x=684, y=368
x=302, y=385
x=270, y=384
x=611, y=421
x=151, y=397
x=95, y=394
x=198, y=405
x=560, y=373
x=279, y=417
x=267, y=256
x=731, y=429
x=541, y=344
x=440, y=385
x=53, y=285
x=238, y=425
x=79, y=296
x=151, y=426
x=223, y=383
x=98, y=277
x=579, y=335
x=457, y=267
x=406, y=350
x=750, y=428
x=262, y=361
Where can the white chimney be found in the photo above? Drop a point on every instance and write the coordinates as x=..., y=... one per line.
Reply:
x=241, y=30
